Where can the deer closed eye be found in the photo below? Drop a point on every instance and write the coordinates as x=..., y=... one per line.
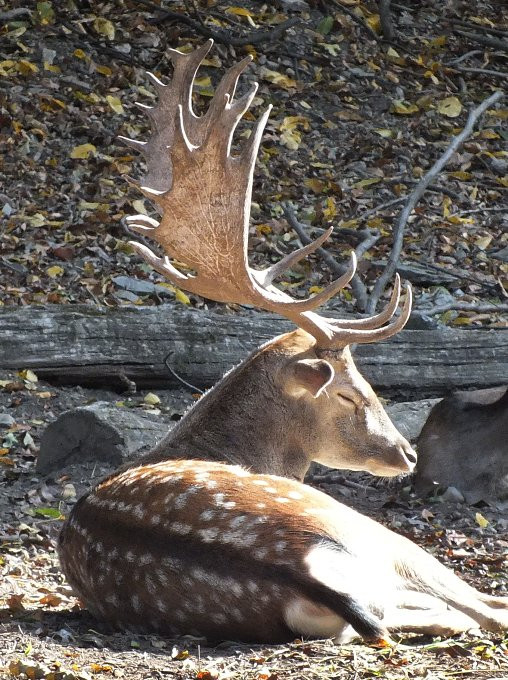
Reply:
x=347, y=400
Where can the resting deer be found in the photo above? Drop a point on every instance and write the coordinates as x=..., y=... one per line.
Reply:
x=213, y=533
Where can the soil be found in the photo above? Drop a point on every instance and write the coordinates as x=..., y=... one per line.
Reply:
x=44, y=632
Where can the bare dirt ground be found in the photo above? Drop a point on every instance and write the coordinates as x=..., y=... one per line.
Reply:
x=44, y=634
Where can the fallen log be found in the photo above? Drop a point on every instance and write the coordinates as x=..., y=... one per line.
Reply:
x=97, y=346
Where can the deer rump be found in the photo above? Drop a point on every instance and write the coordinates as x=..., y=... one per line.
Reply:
x=201, y=548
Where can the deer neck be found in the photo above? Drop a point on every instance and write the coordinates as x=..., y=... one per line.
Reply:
x=256, y=431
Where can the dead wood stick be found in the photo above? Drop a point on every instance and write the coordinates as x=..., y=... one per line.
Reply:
x=221, y=36
x=469, y=25
x=467, y=307
x=484, y=40
x=417, y=193
x=484, y=71
x=357, y=285
x=385, y=18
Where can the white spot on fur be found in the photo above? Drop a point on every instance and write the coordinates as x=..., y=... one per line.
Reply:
x=136, y=604
x=296, y=495
x=208, y=535
x=260, y=482
x=282, y=499
x=181, y=528
x=207, y=515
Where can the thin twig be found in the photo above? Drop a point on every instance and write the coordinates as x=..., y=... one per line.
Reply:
x=385, y=18
x=180, y=379
x=483, y=29
x=466, y=307
x=220, y=35
x=417, y=193
x=357, y=285
x=483, y=71
x=472, y=53
x=484, y=40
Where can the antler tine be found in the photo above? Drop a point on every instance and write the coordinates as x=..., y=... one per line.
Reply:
x=267, y=276
x=379, y=319
x=329, y=336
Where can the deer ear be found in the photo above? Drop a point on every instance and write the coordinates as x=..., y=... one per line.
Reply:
x=308, y=375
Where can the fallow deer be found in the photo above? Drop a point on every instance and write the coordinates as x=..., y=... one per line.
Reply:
x=208, y=534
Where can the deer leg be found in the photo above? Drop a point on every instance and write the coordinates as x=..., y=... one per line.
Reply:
x=425, y=614
x=422, y=572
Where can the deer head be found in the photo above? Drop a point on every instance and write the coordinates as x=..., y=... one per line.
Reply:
x=303, y=389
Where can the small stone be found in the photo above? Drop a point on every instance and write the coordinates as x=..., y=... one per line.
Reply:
x=452, y=495
x=6, y=420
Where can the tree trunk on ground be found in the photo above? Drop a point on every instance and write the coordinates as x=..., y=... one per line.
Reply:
x=109, y=347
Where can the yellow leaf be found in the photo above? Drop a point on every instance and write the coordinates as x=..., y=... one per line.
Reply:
x=331, y=209
x=488, y=134
x=386, y=133
x=52, y=67
x=277, y=78
x=291, y=139
x=481, y=521
x=316, y=185
x=291, y=122
x=450, y=107
x=394, y=57
x=239, y=11
x=460, y=174
x=29, y=375
x=104, y=27
x=374, y=22
x=114, y=103
x=503, y=181
x=79, y=54
x=440, y=41
x=366, y=182
x=206, y=81
x=455, y=219
x=402, y=109
x=151, y=399
x=483, y=242
x=499, y=113
x=54, y=271
x=104, y=70
x=447, y=201
x=349, y=224
x=83, y=151
x=462, y=321
x=182, y=297
x=26, y=68
x=315, y=289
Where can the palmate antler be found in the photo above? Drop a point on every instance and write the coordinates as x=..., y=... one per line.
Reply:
x=204, y=194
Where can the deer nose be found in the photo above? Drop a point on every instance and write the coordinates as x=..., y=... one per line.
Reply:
x=408, y=455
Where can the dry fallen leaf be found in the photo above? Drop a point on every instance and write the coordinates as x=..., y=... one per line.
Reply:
x=450, y=107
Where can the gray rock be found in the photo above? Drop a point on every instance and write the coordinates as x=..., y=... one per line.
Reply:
x=100, y=432
x=6, y=420
x=409, y=416
x=452, y=495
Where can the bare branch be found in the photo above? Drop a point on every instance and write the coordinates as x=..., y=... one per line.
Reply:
x=483, y=71
x=386, y=20
x=219, y=35
x=417, y=193
x=357, y=285
x=466, y=307
x=488, y=41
